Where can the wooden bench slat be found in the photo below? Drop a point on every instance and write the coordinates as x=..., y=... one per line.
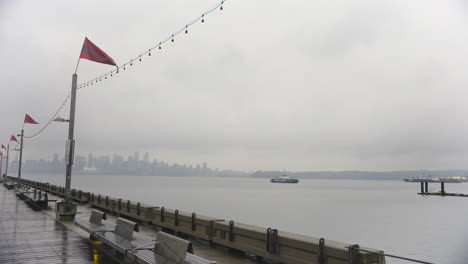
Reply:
x=123, y=239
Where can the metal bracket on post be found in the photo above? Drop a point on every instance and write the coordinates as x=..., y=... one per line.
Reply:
x=272, y=243
x=162, y=214
x=194, y=226
x=176, y=217
x=351, y=253
x=322, y=257
x=231, y=230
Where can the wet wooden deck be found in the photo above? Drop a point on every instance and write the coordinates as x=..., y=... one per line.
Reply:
x=29, y=236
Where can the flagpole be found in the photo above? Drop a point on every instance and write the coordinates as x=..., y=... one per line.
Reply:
x=21, y=154
x=8, y=155
x=71, y=141
x=1, y=163
x=67, y=210
x=78, y=63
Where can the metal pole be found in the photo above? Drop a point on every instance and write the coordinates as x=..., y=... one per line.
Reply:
x=1, y=162
x=422, y=187
x=7, y=156
x=442, y=188
x=70, y=142
x=21, y=154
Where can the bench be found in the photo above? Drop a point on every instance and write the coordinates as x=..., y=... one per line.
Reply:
x=94, y=224
x=9, y=185
x=168, y=248
x=36, y=198
x=134, y=246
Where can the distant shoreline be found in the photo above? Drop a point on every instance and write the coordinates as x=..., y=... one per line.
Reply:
x=325, y=175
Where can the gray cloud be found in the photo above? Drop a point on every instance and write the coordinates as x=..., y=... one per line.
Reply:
x=266, y=85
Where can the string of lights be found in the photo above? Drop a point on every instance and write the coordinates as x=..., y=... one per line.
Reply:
x=159, y=46
x=14, y=149
x=105, y=76
x=55, y=115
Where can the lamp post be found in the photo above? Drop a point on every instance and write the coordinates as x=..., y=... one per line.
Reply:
x=21, y=153
x=7, y=155
x=1, y=163
x=66, y=210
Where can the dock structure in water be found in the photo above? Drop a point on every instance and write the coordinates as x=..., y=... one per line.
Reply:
x=214, y=239
x=442, y=192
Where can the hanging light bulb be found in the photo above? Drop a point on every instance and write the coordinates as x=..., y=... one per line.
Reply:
x=149, y=52
x=186, y=30
x=131, y=63
x=172, y=40
x=105, y=77
x=221, y=9
x=140, y=57
x=124, y=67
x=203, y=18
x=159, y=45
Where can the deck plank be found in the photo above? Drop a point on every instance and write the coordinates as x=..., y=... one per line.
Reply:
x=30, y=236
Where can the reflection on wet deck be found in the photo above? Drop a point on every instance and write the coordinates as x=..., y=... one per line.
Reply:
x=27, y=236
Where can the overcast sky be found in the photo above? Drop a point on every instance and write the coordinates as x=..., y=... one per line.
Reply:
x=295, y=85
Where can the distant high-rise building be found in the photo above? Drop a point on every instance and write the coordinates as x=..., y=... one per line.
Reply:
x=146, y=157
x=136, y=155
x=90, y=161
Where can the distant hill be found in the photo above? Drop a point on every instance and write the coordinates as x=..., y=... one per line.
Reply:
x=364, y=175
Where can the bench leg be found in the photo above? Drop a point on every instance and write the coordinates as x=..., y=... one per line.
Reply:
x=119, y=255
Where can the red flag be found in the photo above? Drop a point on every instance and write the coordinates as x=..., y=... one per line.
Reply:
x=94, y=53
x=29, y=120
x=13, y=138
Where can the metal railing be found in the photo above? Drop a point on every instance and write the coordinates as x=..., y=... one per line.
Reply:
x=352, y=249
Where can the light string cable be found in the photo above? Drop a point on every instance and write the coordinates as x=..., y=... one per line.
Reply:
x=15, y=148
x=157, y=46
x=46, y=125
x=130, y=62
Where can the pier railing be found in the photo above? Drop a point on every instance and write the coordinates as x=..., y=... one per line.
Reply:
x=263, y=243
x=353, y=251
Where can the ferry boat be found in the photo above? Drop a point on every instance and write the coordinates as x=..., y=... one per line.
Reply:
x=452, y=179
x=422, y=178
x=457, y=178
x=284, y=179
x=439, y=179
x=419, y=180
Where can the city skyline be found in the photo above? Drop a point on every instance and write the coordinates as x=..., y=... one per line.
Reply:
x=114, y=164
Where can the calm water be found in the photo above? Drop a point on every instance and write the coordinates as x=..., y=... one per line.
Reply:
x=386, y=215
